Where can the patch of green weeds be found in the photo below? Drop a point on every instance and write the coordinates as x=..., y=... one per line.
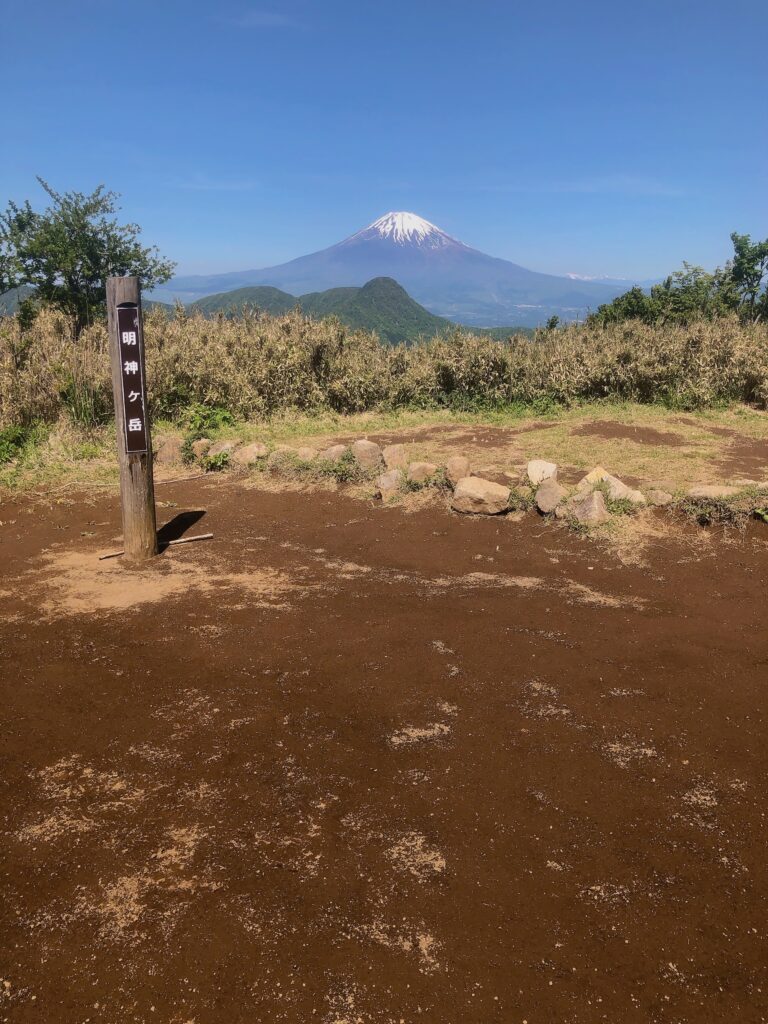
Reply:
x=85, y=450
x=216, y=463
x=521, y=499
x=12, y=441
x=621, y=506
x=438, y=480
x=18, y=444
x=345, y=470
x=202, y=420
x=187, y=454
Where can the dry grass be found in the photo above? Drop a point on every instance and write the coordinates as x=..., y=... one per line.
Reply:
x=255, y=366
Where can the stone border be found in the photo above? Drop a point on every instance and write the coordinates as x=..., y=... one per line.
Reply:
x=593, y=501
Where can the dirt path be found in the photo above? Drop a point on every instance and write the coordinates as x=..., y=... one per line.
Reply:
x=351, y=764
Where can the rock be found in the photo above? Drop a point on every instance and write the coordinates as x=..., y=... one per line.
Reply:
x=395, y=457
x=201, y=446
x=659, y=498
x=618, y=491
x=481, y=497
x=169, y=452
x=421, y=472
x=538, y=471
x=388, y=484
x=712, y=491
x=306, y=454
x=250, y=454
x=221, y=448
x=367, y=454
x=456, y=468
x=549, y=495
x=590, y=510
x=595, y=476
x=282, y=456
x=334, y=453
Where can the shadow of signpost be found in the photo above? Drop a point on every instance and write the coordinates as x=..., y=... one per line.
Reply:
x=177, y=527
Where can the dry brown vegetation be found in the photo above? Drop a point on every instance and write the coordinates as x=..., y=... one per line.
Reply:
x=255, y=366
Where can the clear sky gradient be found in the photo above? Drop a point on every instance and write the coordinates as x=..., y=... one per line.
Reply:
x=592, y=137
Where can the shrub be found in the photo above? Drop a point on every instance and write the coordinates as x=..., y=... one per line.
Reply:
x=203, y=419
x=216, y=463
x=206, y=372
x=11, y=442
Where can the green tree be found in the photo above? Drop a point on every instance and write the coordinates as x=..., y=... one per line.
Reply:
x=690, y=293
x=749, y=271
x=632, y=305
x=67, y=253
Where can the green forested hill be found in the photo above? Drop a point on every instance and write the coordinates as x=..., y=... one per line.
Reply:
x=381, y=305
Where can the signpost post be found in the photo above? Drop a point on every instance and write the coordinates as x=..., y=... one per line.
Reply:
x=134, y=442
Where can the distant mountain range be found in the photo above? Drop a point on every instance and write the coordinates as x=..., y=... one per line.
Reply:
x=381, y=305
x=444, y=275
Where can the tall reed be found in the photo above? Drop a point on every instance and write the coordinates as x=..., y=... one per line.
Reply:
x=257, y=365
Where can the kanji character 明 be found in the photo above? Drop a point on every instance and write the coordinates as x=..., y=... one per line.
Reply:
x=129, y=337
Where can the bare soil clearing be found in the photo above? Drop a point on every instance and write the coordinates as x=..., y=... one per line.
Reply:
x=622, y=431
x=349, y=764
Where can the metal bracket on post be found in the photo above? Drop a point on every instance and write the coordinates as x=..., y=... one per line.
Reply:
x=134, y=441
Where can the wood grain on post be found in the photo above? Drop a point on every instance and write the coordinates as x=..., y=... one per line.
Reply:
x=137, y=491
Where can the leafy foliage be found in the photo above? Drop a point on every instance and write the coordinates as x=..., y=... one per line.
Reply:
x=741, y=287
x=12, y=440
x=216, y=463
x=206, y=419
x=67, y=253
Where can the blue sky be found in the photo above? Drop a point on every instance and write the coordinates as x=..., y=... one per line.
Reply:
x=588, y=137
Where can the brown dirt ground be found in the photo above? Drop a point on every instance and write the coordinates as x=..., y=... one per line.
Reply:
x=353, y=764
x=745, y=458
x=624, y=431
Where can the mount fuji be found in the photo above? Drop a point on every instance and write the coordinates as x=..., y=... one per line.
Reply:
x=448, y=277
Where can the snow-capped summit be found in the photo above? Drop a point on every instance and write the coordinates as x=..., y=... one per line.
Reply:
x=441, y=273
x=407, y=229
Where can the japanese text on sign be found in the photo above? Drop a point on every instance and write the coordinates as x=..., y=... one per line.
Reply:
x=131, y=367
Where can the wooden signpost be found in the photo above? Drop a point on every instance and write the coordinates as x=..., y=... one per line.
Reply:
x=134, y=441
